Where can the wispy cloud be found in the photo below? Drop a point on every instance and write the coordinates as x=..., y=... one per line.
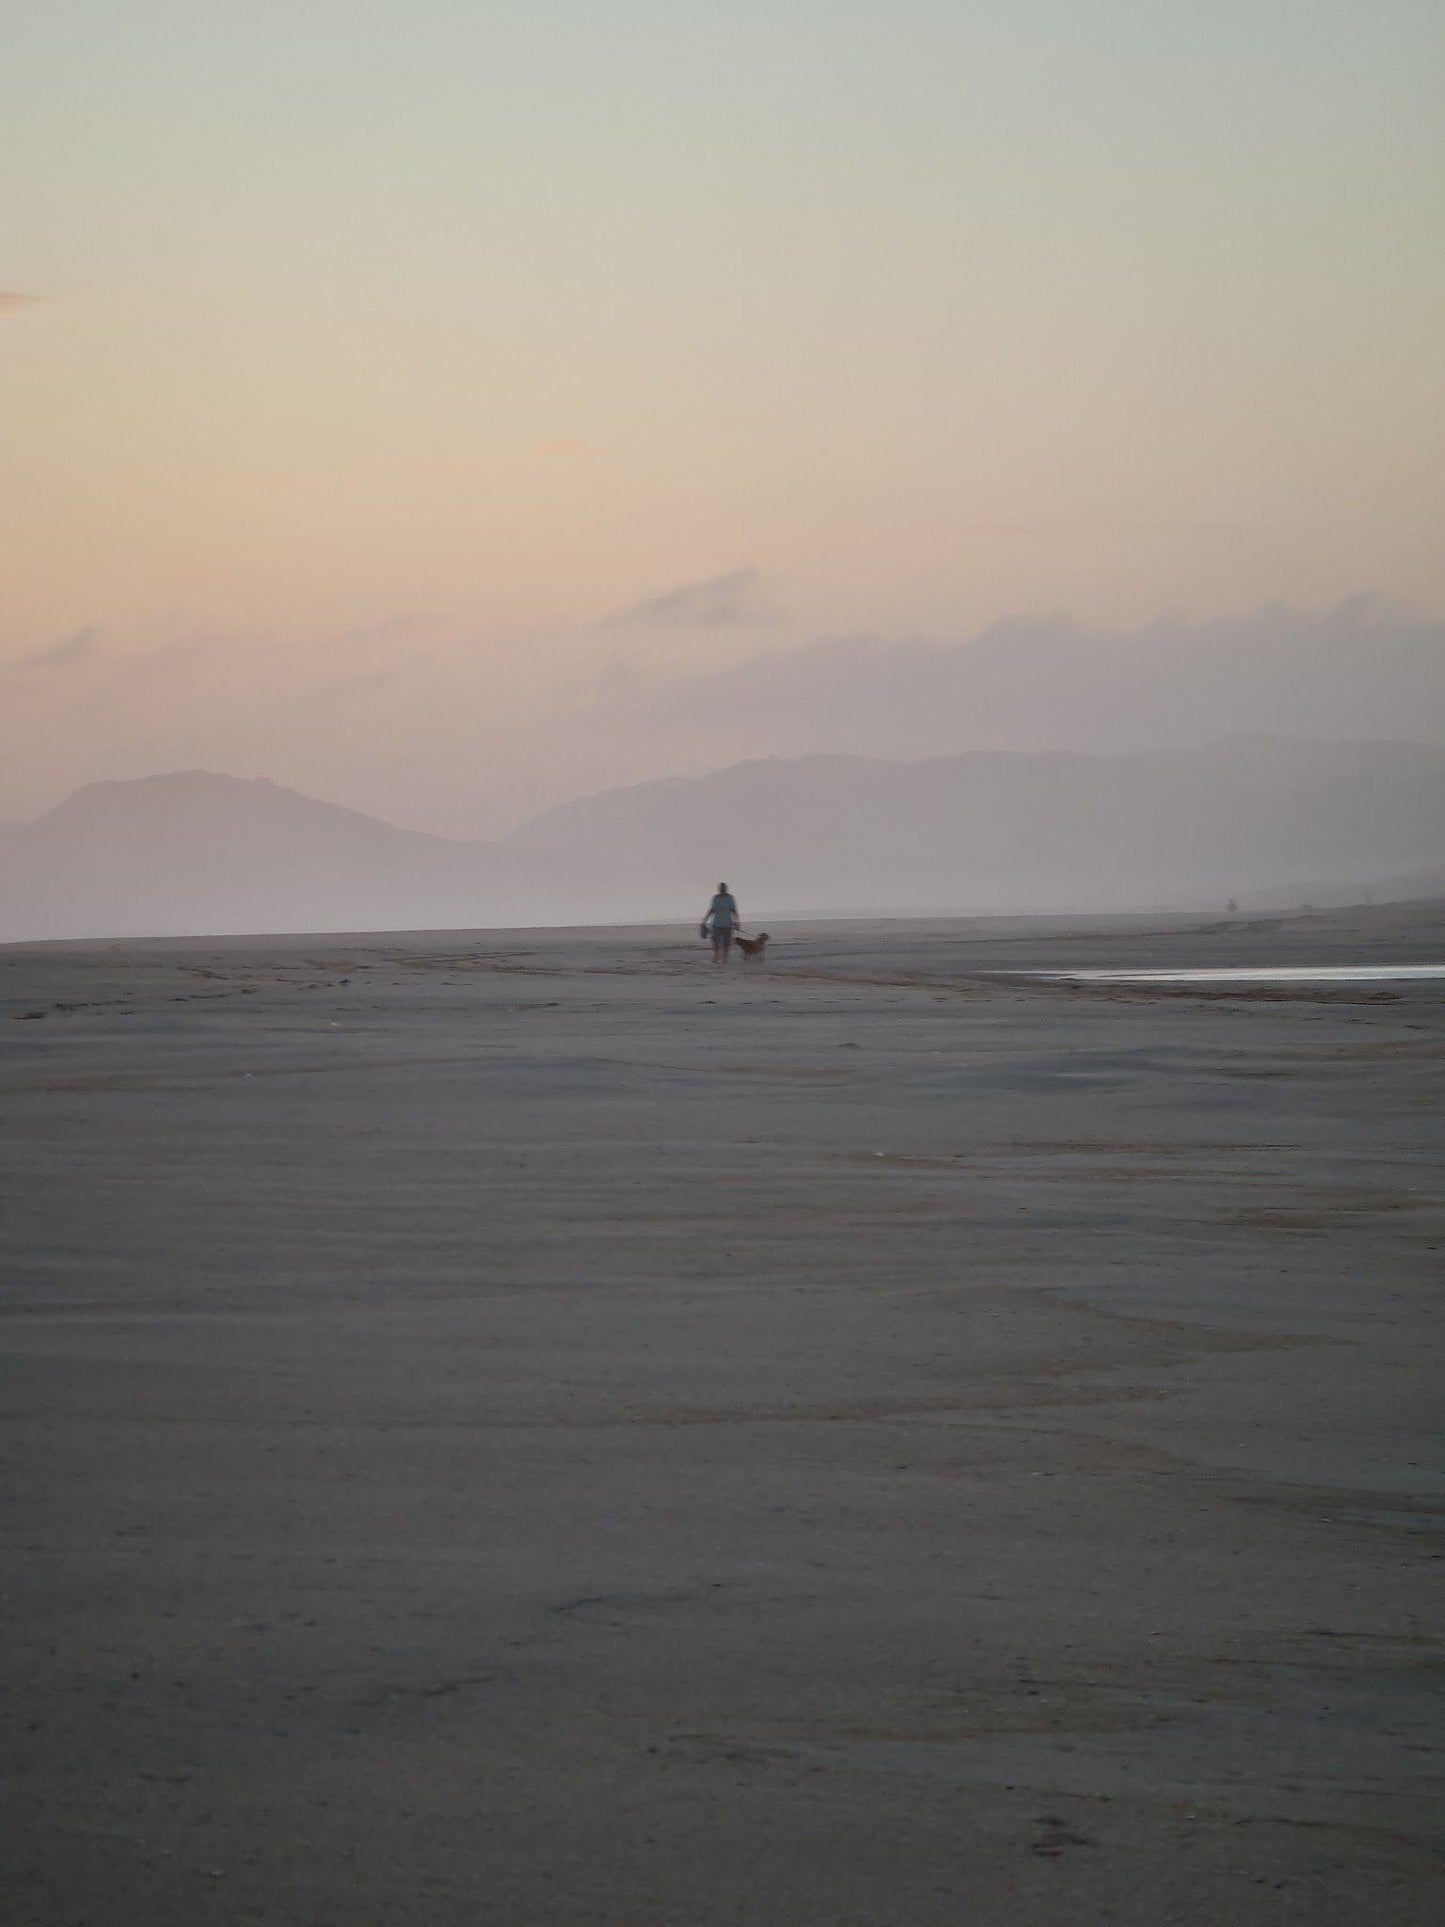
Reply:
x=1363, y=669
x=722, y=600
x=11, y=301
x=569, y=448
x=1089, y=531
x=65, y=652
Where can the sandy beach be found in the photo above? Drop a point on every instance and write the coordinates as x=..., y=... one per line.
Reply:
x=528, y=1428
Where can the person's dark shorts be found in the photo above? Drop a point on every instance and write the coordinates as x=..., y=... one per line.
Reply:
x=722, y=939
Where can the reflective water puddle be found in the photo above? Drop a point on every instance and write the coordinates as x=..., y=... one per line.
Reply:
x=1260, y=974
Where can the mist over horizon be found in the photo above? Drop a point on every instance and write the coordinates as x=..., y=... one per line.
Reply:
x=403, y=720
x=1256, y=822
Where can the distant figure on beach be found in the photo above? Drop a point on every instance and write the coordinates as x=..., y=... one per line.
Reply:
x=721, y=922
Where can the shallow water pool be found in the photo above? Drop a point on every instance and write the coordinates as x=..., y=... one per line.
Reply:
x=1260, y=974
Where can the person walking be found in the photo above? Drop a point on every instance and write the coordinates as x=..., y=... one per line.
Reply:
x=721, y=923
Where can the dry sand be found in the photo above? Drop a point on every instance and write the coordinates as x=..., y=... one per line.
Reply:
x=531, y=1429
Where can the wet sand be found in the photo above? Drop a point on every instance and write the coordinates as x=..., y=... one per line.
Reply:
x=529, y=1428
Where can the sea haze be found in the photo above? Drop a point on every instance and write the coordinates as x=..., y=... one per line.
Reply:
x=1260, y=821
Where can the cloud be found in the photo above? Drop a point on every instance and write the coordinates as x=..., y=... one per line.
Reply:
x=60, y=655
x=1090, y=531
x=1364, y=669
x=720, y=601
x=11, y=300
x=568, y=446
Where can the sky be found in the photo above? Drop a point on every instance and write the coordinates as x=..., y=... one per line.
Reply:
x=518, y=345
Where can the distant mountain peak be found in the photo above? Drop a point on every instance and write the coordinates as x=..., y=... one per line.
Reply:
x=211, y=791
x=192, y=851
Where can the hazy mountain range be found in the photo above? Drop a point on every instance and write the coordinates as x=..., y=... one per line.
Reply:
x=196, y=852
x=999, y=830
x=408, y=721
x=1264, y=820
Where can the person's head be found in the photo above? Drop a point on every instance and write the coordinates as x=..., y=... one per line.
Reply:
x=722, y=889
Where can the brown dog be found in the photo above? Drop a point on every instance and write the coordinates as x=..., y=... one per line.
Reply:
x=752, y=947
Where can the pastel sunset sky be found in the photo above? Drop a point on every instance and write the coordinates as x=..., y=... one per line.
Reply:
x=501, y=319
